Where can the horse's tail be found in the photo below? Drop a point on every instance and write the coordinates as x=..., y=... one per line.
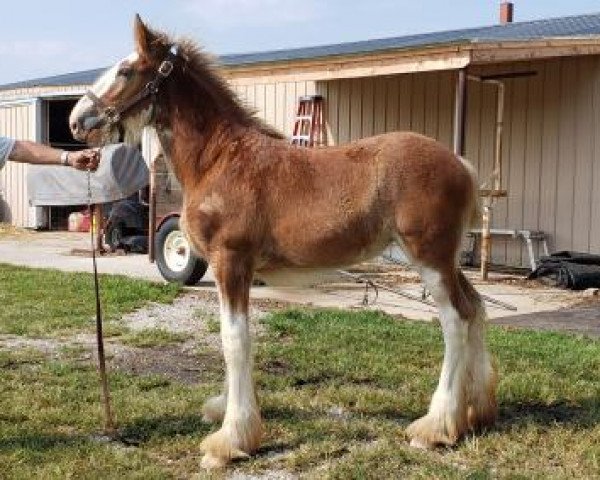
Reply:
x=474, y=213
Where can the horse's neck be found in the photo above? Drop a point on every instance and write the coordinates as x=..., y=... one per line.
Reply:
x=194, y=148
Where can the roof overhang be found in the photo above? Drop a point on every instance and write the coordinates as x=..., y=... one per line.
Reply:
x=423, y=59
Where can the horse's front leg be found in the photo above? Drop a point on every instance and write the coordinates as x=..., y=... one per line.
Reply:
x=240, y=433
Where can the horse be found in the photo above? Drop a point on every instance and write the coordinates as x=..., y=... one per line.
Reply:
x=255, y=205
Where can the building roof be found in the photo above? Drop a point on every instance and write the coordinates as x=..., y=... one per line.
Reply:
x=554, y=28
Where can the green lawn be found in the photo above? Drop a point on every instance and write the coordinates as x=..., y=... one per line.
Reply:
x=38, y=302
x=337, y=389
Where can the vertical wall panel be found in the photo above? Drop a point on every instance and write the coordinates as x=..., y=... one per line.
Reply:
x=473, y=124
x=567, y=154
x=431, y=104
x=533, y=153
x=446, y=108
x=345, y=100
x=356, y=108
x=549, y=160
x=379, y=105
x=405, y=100
x=291, y=102
x=595, y=173
x=16, y=121
x=392, y=113
x=417, y=112
x=584, y=137
x=367, y=107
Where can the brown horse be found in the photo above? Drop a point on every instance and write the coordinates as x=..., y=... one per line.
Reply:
x=255, y=205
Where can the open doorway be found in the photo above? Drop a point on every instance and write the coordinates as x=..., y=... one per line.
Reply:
x=56, y=133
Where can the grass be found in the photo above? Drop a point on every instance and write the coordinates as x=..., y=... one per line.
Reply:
x=39, y=302
x=337, y=389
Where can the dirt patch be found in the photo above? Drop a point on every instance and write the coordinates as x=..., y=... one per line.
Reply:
x=188, y=364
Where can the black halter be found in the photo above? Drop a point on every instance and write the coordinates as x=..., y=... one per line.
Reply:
x=108, y=114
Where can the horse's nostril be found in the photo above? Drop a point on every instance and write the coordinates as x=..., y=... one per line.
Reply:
x=74, y=126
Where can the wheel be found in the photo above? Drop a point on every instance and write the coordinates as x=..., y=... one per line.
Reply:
x=174, y=257
x=114, y=234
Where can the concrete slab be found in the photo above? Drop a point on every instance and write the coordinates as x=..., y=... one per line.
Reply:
x=53, y=250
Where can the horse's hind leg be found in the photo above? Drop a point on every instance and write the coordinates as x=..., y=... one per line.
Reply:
x=241, y=431
x=481, y=374
x=446, y=420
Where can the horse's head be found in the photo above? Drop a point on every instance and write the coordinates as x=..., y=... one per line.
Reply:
x=121, y=101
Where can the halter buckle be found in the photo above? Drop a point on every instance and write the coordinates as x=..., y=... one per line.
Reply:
x=165, y=69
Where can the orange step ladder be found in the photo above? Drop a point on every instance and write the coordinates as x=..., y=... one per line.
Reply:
x=308, y=125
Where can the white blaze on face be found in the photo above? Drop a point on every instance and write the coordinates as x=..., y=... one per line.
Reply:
x=85, y=105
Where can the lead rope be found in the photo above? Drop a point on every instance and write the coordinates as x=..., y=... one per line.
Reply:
x=109, y=424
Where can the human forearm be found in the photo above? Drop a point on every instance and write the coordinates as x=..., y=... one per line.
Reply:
x=31, y=152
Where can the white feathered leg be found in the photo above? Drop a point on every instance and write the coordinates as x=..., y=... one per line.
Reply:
x=241, y=431
x=446, y=420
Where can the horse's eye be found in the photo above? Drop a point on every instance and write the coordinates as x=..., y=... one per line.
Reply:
x=125, y=72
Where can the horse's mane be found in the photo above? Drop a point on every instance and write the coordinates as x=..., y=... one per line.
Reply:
x=204, y=69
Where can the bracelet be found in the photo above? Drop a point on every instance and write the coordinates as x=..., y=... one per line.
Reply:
x=64, y=158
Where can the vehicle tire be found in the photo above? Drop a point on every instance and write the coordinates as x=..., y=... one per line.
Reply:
x=114, y=234
x=174, y=257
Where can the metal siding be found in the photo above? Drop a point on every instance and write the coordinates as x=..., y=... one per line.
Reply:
x=356, y=101
x=446, y=108
x=431, y=104
x=550, y=141
x=417, y=111
x=392, y=103
x=566, y=155
x=595, y=173
x=379, y=105
x=367, y=108
x=583, y=161
x=405, y=101
x=16, y=121
x=533, y=154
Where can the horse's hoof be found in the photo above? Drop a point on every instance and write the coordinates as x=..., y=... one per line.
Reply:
x=210, y=462
x=228, y=444
x=430, y=431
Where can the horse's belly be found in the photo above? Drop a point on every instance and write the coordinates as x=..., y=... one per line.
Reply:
x=318, y=246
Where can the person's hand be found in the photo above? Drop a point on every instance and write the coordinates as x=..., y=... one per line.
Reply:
x=85, y=159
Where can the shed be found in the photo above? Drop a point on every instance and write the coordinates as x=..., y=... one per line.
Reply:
x=551, y=154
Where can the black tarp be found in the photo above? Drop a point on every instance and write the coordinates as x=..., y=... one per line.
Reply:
x=573, y=270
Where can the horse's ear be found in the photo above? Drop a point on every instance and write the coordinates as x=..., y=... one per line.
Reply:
x=143, y=37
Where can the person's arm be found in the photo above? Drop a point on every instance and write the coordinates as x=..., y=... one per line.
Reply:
x=31, y=152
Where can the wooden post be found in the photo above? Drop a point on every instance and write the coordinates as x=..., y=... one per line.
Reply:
x=486, y=243
x=152, y=211
x=460, y=112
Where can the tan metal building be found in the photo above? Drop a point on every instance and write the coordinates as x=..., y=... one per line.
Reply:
x=550, y=70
